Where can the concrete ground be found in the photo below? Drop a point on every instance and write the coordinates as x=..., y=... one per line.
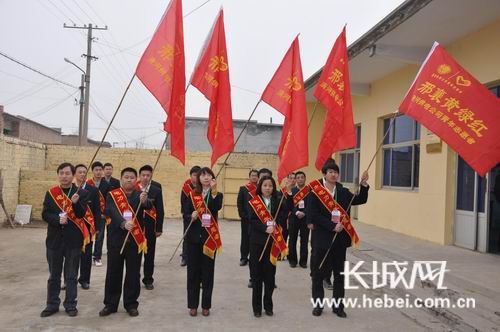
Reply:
x=24, y=273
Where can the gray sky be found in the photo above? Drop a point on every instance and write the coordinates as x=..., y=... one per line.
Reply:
x=258, y=33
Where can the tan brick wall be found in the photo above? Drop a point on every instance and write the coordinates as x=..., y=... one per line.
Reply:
x=16, y=155
x=170, y=173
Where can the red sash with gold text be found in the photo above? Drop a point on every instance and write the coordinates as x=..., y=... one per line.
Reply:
x=122, y=205
x=330, y=204
x=301, y=195
x=213, y=242
x=151, y=212
x=279, y=244
x=65, y=205
x=187, y=187
x=252, y=189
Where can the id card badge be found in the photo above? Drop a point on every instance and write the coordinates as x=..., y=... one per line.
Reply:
x=302, y=204
x=270, y=223
x=127, y=215
x=206, y=220
x=335, y=216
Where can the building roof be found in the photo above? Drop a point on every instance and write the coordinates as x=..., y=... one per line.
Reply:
x=236, y=121
x=22, y=118
x=406, y=35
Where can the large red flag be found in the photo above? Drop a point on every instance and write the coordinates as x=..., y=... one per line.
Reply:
x=285, y=93
x=211, y=77
x=162, y=70
x=455, y=106
x=333, y=91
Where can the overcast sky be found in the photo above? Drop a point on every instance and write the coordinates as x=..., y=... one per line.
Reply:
x=258, y=34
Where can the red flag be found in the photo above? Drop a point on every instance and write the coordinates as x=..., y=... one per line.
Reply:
x=285, y=93
x=211, y=77
x=162, y=70
x=334, y=92
x=455, y=106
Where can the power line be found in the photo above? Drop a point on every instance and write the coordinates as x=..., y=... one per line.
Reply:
x=36, y=70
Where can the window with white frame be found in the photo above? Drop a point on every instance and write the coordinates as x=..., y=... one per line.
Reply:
x=401, y=153
x=349, y=161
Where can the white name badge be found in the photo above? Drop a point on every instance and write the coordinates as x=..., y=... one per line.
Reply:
x=335, y=216
x=301, y=204
x=270, y=223
x=62, y=214
x=206, y=220
x=127, y=215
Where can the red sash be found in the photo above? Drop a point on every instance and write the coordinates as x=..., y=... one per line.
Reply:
x=89, y=219
x=301, y=195
x=330, y=204
x=122, y=205
x=213, y=243
x=279, y=244
x=65, y=205
x=252, y=189
x=187, y=187
x=284, y=192
x=102, y=200
x=151, y=212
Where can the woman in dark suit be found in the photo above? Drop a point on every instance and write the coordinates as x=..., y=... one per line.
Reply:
x=203, y=240
x=263, y=271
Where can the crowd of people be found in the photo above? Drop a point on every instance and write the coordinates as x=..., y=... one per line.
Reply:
x=130, y=210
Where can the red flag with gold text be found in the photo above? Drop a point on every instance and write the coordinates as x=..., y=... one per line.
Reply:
x=451, y=103
x=162, y=71
x=285, y=93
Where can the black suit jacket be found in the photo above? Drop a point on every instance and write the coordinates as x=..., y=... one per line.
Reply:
x=156, y=196
x=258, y=233
x=196, y=233
x=92, y=199
x=318, y=215
x=113, y=183
x=242, y=203
x=69, y=234
x=293, y=217
x=185, y=202
x=116, y=231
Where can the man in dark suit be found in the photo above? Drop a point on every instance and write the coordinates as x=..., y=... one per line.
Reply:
x=298, y=224
x=187, y=187
x=63, y=208
x=242, y=202
x=92, y=199
x=121, y=205
x=114, y=183
x=327, y=222
x=153, y=219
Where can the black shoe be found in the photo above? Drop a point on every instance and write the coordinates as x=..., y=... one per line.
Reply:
x=317, y=311
x=243, y=262
x=292, y=265
x=47, y=312
x=106, y=311
x=269, y=312
x=183, y=261
x=133, y=312
x=250, y=284
x=72, y=312
x=85, y=285
x=149, y=286
x=327, y=284
x=339, y=312
x=257, y=314
x=303, y=265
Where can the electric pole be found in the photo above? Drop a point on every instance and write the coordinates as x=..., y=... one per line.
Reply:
x=85, y=126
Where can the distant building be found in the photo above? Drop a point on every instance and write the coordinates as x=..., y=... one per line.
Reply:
x=20, y=127
x=257, y=137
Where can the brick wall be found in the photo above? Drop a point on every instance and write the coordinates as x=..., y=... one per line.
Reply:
x=170, y=173
x=16, y=155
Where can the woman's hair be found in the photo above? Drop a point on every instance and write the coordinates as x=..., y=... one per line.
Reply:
x=198, y=188
x=261, y=181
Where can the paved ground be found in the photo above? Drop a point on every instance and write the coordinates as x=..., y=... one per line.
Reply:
x=24, y=274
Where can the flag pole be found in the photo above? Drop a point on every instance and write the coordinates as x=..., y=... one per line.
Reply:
x=393, y=118
x=238, y=138
x=147, y=188
x=313, y=112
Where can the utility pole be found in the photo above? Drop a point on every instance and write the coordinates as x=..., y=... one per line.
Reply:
x=85, y=126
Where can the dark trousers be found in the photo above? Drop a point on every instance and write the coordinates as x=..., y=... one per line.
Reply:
x=200, y=272
x=99, y=239
x=62, y=259
x=114, y=276
x=335, y=260
x=298, y=227
x=245, y=240
x=262, y=273
x=86, y=264
x=284, y=229
x=149, y=258
x=184, y=244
